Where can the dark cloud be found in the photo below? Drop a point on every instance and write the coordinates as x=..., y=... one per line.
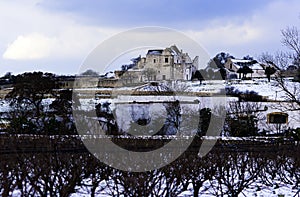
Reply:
x=176, y=13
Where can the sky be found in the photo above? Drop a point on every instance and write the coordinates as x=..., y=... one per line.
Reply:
x=58, y=35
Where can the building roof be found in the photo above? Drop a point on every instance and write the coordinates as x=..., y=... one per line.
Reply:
x=155, y=52
x=240, y=61
x=253, y=64
x=257, y=66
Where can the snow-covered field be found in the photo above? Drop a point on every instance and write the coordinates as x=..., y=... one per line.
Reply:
x=284, y=190
x=270, y=90
x=261, y=86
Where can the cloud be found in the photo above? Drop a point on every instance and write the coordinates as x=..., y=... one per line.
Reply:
x=32, y=33
x=227, y=34
x=249, y=34
x=71, y=41
x=155, y=12
x=33, y=46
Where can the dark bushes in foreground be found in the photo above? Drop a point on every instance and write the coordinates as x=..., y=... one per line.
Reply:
x=229, y=169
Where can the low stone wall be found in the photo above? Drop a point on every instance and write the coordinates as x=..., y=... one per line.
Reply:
x=40, y=143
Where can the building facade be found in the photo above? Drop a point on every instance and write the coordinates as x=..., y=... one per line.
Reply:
x=162, y=64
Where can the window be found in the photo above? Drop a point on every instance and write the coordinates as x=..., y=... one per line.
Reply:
x=154, y=60
x=164, y=77
x=277, y=118
x=166, y=59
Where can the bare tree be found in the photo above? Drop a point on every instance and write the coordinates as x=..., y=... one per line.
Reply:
x=291, y=39
x=242, y=118
x=280, y=59
x=234, y=173
x=266, y=57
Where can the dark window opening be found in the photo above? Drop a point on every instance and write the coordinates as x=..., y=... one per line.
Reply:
x=277, y=118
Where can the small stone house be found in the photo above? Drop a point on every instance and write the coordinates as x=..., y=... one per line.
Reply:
x=233, y=65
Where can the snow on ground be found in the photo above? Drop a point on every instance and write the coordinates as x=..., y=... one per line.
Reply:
x=285, y=190
x=211, y=86
x=261, y=86
x=4, y=106
x=264, y=88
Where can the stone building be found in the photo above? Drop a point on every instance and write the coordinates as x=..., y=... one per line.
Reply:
x=162, y=64
x=257, y=68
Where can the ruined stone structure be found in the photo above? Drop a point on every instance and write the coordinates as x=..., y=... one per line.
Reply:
x=162, y=64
